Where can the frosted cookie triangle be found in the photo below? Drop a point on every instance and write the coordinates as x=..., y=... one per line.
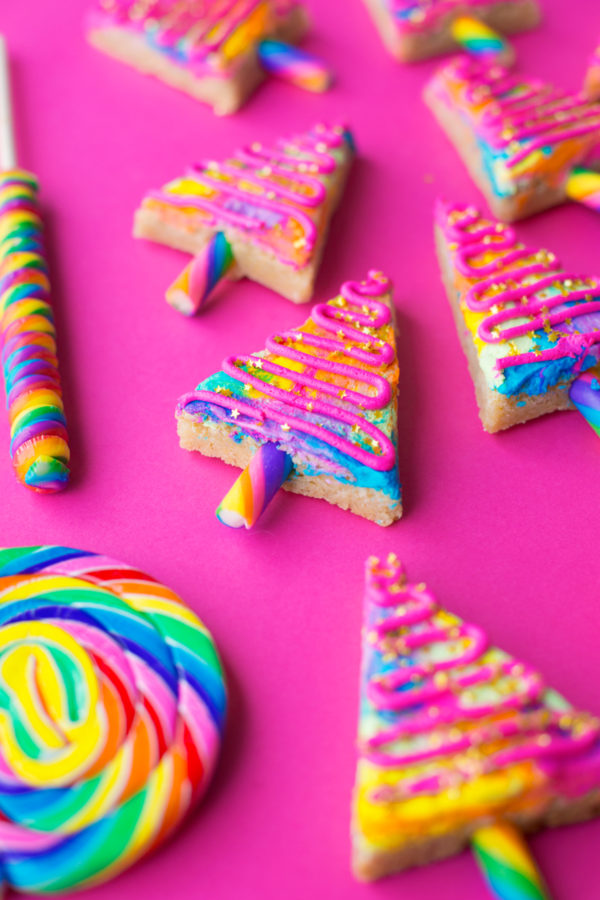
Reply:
x=206, y=48
x=273, y=204
x=519, y=137
x=527, y=326
x=456, y=735
x=418, y=29
x=325, y=393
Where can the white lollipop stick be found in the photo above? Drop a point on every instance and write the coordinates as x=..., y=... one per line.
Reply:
x=8, y=153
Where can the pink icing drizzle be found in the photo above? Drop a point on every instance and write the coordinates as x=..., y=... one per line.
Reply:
x=261, y=213
x=516, y=282
x=195, y=28
x=522, y=116
x=281, y=405
x=437, y=686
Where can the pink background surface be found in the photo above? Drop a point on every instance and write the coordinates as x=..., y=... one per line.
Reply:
x=502, y=528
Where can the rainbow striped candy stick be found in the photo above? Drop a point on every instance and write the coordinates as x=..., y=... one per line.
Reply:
x=255, y=487
x=583, y=185
x=507, y=865
x=481, y=41
x=190, y=290
x=585, y=396
x=39, y=448
x=591, y=86
x=294, y=66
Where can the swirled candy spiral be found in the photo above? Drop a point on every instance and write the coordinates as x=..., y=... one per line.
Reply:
x=39, y=448
x=111, y=709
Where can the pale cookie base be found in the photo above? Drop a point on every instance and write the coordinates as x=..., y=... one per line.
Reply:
x=369, y=862
x=535, y=198
x=225, y=94
x=173, y=229
x=496, y=411
x=215, y=441
x=507, y=18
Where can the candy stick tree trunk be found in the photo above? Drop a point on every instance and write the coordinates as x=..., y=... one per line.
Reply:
x=255, y=488
x=507, y=864
x=583, y=186
x=294, y=66
x=190, y=290
x=481, y=41
x=584, y=393
x=39, y=448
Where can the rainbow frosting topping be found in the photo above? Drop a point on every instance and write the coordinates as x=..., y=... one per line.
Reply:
x=534, y=325
x=112, y=703
x=454, y=733
x=325, y=393
x=527, y=132
x=278, y=198
x=203, y=36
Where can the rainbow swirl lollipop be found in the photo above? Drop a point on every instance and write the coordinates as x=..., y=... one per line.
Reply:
x=112, y=702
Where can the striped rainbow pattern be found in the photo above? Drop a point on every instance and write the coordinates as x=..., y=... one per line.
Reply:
x=479, y=40
x=252, y=492
x=190, y=290
x=112, y=702
x=294, y=66
x=583, y=185
x=507, y=864
x=39, y=448
x=584, y=393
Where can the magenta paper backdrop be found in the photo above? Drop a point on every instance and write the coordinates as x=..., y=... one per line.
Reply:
x=503, y=528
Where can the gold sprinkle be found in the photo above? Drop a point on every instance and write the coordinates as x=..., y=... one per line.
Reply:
x=285, y=427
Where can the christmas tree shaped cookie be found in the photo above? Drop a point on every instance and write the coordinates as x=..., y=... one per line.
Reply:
x=519, y=138
x=207, y=48
x=459, y=743
x=273, y=206
x=324, y=393
x=418, y=29
x=527, y=326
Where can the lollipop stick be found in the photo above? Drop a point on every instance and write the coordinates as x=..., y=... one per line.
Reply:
x=190, y=290
x=507, y=864
x=8, y=154
x=255, y=487
x=584, y=393
x=294, y=66
x=583, y=185
x=481, y=41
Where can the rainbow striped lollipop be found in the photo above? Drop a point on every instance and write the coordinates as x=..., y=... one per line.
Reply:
x=39, y=447
x=112, y=702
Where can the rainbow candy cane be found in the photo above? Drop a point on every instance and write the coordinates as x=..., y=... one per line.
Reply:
x=481, y=41
x=294, y=66
x=583, y=185
x=507, y=864
x=255, y=487
x=190, y=290
x=38, y=447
